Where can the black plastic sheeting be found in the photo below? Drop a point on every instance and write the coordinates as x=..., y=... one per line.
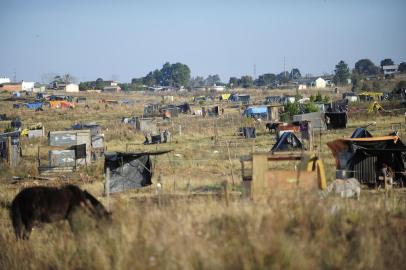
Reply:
x=361, y=133
x=129, y=170
x=364, y=159
x=335, y=120
x=287, y=142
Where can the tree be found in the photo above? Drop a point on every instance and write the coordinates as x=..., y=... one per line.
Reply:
x=366, y=67
x=402, y=67
x=136, y=81
x=246, y=81
x=180, y=74
x=310, y=107
x=387, y=62
x=67, y=78
x=266, y=79
x=342, y=73
x=295, y=74
x=233, y=81
x=319, y=97
x=212, y=80
x=197, y=81
x=292, y=108
x=356, y=80
x=283, y=77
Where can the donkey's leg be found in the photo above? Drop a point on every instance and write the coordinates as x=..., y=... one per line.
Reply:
x=27, y=230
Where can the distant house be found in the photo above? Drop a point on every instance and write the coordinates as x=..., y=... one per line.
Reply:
x=351, y=97
x=10, y=87
x=72, y=88
x=218, y=88
x=390, y=69
x=21, y=86
x=57, y=85
x=112, y=89
x=319, y=83
x=38, y=88
x=27, y=86
x=4, y=80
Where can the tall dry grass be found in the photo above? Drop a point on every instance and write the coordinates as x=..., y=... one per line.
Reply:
x=192, y=233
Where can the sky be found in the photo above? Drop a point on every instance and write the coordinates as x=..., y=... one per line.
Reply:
x=124, y=39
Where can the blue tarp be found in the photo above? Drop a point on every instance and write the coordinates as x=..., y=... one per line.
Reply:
x=34, y=105
x=287, y=142
x=257, y=112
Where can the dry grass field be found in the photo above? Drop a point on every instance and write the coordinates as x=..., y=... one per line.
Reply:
x=191, y=225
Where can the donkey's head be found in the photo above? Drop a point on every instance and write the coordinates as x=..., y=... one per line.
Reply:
x=96, y=208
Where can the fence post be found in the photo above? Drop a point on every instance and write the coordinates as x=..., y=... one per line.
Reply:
x=107, y=187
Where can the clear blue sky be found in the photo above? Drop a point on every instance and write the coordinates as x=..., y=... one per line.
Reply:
x=126, y=39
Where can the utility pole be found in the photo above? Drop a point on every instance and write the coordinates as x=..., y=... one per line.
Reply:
x=255, y=71
x=284, y=67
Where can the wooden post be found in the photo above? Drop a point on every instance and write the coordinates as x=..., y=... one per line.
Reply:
x=107, y=187
x=310, y=134
x=259, y=169
x=226, y=192
x=231, y=163
x=9, y=152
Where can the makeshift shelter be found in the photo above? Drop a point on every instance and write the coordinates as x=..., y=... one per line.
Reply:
x=151, y=110
x=34, y=131
x=10, y=148
x=363, y=158
x=258, y=112
x=273, y=112
x=169, y=111
x=97, y=138
x=244, y=99
x=335, y=120
x=146, y=124
x=213, y=111
x=316, y=119
x=184, y=108
x=94, y=128
x=128, y=170
x=287, y=142
x=78, y=140
x=361, y=133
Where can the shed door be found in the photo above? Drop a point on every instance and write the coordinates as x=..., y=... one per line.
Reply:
x=84, y=138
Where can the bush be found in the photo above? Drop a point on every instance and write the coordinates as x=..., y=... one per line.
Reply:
x=310, y=107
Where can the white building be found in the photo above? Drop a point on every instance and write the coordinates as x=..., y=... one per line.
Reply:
x=320, y=83
x=390, y=69
x=27, y=86
x=218, y=88
x=4, y=80
x=71, y=88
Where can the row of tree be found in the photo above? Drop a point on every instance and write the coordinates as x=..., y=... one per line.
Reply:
x=265, y=80
x=362, y=68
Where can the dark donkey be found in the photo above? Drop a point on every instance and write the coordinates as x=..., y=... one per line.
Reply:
x=49, y=204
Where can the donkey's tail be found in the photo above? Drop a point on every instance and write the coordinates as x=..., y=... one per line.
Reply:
x=17, y=220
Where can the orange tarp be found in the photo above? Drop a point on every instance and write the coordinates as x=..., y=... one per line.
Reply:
x=61, y=104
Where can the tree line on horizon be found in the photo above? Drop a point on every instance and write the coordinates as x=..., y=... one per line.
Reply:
x=178, y=74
